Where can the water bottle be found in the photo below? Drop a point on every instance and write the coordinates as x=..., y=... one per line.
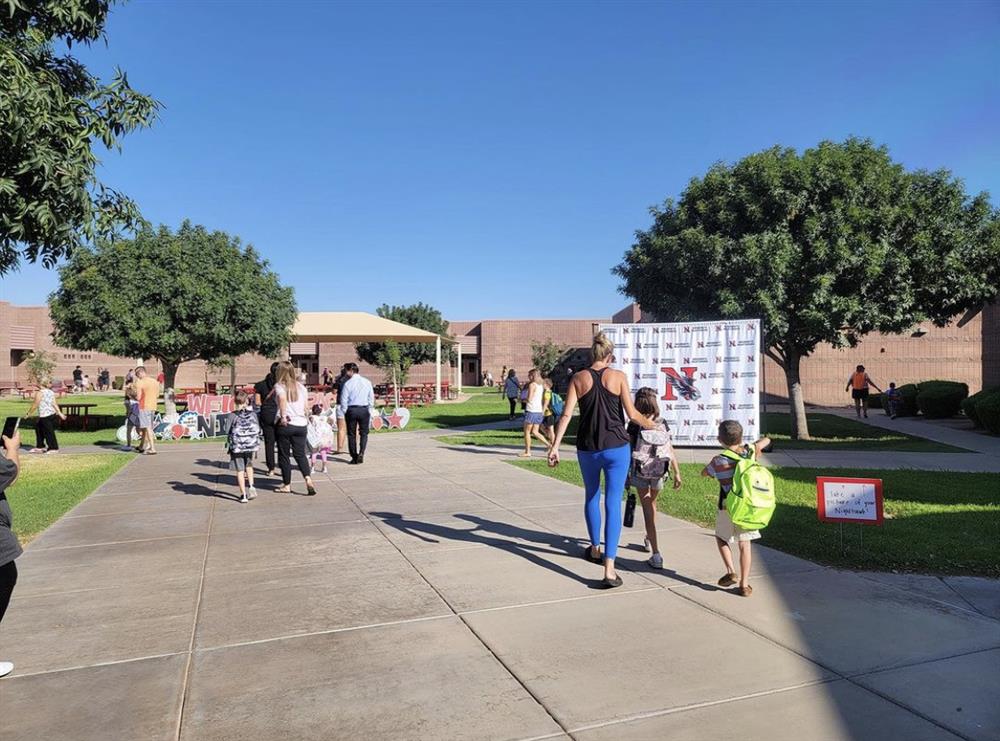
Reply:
x=630, y=510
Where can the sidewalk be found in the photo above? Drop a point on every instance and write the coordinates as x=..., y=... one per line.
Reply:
x=958, y=432
x=438, y=593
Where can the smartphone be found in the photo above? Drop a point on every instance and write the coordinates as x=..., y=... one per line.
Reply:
x=10, y=426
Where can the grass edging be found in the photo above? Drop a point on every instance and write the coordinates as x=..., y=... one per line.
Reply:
x=937, y=522
x=49, y=486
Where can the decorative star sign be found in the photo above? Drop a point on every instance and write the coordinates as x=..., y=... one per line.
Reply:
x=399, y=418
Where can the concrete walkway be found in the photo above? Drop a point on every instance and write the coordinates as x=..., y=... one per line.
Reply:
x=957, y=431
x=438, y=593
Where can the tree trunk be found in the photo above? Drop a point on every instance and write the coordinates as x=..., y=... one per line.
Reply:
x=797, y=404
x=169, y=378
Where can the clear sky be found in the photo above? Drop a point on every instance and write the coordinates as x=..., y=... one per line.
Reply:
x=494, y=159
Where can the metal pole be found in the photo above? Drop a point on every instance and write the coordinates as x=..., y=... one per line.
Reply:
x=437, y=369
x=458, y=381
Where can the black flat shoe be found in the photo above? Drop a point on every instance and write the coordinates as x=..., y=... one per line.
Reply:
x=612, y=583
x=311, y=490
x=589, y=556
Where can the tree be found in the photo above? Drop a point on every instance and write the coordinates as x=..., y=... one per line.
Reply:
x=547, y=355
x=407, y=354
x=175, y=297
x=39, y=365
x=825, y=246
x=53, y=113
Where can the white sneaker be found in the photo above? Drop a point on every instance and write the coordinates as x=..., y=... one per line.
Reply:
x=656, y=561
x=243, y=499
x=253, y=493
x=6, y=668
x=647, y=546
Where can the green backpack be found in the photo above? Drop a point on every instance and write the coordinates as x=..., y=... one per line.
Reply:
x=751, y=501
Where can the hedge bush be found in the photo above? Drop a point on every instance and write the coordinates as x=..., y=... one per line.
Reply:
x=875, y=402
x=907, y=400
x=969, y=404
x=941, y=399
x=988, y=411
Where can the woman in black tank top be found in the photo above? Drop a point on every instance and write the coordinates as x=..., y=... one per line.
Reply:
x=602, y=446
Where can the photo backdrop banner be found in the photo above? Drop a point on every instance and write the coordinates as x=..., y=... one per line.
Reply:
x=703, y=373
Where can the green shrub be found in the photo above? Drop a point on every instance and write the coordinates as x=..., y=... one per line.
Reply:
x=907, y=400
x=988, y=411
x=969, y=404
x=875, y=401
x=119, y=383
x=941, y=399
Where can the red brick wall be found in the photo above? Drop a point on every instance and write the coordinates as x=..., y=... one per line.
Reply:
x=951, y=353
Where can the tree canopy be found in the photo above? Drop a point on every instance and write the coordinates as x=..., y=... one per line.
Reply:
x=53, y=112
x=545, y=356
x=193, y=294
x=409, y=353
x=823, y=246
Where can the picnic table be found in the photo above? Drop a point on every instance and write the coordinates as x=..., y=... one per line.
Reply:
x=78, y=411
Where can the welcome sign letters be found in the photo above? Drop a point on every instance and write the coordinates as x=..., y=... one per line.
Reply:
x=703, y=373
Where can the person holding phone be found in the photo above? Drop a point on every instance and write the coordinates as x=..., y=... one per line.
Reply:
x=10, y=549
x=48, y=410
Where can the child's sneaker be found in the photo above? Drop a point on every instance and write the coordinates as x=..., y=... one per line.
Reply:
x=656, y=561
x=728, y=580
x=253, y=493
x=243, y=499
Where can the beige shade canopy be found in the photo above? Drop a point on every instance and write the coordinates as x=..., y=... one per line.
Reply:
x=355, y=326
x=360, y=326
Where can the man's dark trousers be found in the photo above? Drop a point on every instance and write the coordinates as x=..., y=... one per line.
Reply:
x=358, y=420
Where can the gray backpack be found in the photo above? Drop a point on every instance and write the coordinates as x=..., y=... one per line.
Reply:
x=651, y=457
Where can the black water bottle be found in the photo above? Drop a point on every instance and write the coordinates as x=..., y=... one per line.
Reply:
x=630, y=510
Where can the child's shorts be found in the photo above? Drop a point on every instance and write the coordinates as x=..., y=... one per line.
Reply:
x=725, y=529
x=643, y=483
x=240, y=462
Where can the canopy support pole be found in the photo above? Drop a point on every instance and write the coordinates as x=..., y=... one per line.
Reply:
x=437, y=369
x=458, y=368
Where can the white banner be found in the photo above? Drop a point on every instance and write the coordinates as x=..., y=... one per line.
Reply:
x=703, y=373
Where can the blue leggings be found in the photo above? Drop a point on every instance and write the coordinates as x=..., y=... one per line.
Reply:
x=615, y=463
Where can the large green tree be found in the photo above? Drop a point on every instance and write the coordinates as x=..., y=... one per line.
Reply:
x=193, y=294
x=53, y=113
x=399, y=357
x=824, y=246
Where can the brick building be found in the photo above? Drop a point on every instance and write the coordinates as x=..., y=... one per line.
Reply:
x=970, y=353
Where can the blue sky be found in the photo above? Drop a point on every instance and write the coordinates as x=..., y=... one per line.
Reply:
x=494, y=159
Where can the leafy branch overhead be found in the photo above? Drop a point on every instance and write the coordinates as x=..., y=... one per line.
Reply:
x=53, y=113
x=404, y=355
x=181, y=296
x=825, y=246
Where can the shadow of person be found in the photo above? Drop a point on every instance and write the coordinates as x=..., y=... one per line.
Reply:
x=485, y=532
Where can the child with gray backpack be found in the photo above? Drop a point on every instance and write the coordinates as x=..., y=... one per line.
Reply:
x=242, y=442
x=652, y=458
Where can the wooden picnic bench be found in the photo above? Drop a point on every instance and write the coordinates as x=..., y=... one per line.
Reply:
x=78, y=412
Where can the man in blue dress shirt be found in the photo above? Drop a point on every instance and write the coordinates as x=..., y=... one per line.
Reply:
x=355, y=400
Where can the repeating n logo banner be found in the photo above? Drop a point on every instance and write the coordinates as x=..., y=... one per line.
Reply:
x=703, y=373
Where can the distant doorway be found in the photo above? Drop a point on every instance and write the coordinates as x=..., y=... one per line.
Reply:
x=470, y=372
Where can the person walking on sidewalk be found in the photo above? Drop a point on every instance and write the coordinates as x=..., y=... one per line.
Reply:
x=356, y=399
x=148, y=391
x=267, y=416
x=858, y=385
x=48, y=411
x=292, y=397
x=10, y=549
x=602, y=445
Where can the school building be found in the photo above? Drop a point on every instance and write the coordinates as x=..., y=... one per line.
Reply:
x=967, y=350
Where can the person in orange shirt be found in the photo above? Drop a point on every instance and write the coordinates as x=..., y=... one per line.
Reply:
x=148, y=392
x=858, y=385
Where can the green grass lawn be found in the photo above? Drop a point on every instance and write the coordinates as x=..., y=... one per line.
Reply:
x=484, y=405
x=50, y=485
x=830, y=432
x=936, y=521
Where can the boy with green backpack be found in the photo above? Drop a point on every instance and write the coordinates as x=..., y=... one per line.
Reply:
x=746, y=500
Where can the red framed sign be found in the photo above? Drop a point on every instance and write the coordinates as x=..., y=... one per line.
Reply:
x=849, y=500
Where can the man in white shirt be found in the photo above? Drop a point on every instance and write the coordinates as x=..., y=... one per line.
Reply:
x=355, y=400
